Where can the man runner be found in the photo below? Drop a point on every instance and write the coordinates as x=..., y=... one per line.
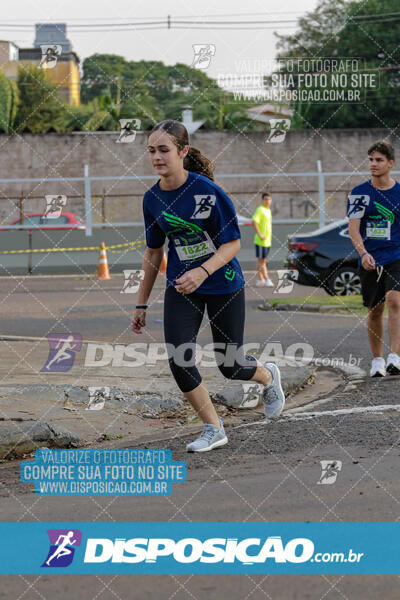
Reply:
x=373, y=209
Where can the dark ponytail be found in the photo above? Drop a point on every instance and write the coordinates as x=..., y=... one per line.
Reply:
x=194, y=160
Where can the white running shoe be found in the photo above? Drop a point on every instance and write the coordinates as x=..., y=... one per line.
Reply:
x=273, y=395
x=268, y=283
x=260, y=283
x=378, y=367
x=211, y=437
x=393, y=364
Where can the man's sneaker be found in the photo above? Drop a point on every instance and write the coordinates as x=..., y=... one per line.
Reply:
x=274, y=398
x=268, y=283
x=211, y=437
x=378, y=367
x=393, y=364
x=260, y=283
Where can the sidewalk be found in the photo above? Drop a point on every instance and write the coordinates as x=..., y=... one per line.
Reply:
x=52, y=409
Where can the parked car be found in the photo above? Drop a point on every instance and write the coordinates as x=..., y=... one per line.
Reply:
x=64, y=221
x=325, y=258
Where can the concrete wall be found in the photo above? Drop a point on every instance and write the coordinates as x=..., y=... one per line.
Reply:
x=58, y=155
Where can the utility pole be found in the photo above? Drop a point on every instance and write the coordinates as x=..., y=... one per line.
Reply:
x=119, y=92
x=221, y=110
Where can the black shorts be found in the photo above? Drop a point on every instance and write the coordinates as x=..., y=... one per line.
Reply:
x=374, y=291
x=262, y=251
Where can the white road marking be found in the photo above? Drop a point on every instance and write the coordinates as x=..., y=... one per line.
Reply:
x=305, y=407
x=346, y=411
x=290, y=416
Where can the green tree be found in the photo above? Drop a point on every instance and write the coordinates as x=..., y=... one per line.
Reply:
x=41, y=109
x=345, y=29
x=9, y=100
x=152, y=91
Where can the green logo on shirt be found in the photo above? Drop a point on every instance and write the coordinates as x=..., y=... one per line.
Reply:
x=179, y=224
x=229, y=274
x=385, y=212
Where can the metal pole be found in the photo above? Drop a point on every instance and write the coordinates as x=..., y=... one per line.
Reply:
x=103, y=206
x=88, y=202
x=321, y=194
x=21, y=208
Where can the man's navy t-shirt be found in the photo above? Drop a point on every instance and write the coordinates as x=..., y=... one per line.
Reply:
x=379, y=214
x=197, y=218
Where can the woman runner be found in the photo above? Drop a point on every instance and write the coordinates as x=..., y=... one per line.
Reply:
x=200, y=222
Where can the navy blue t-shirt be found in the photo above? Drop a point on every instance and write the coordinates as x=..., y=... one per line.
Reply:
x=379, y=214
x=197, y=218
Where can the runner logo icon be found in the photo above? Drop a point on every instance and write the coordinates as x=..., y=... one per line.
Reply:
x=330, y=471
x=357, y=205
x=204, y=204
x=62, y=547
x=62, y=352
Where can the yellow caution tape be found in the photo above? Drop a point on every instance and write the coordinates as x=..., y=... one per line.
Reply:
x=128, y=245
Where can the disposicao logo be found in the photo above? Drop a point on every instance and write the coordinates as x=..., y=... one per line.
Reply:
x=191, y=550
x=62, y=547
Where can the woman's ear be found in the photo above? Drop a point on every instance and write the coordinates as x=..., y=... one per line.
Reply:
x=185, y=151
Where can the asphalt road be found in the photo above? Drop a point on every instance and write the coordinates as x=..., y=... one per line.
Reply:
x=99, y=311
x=267, y=472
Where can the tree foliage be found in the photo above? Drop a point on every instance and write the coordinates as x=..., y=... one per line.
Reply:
x=345, y=29
x=41, y=109
x=152, y=91
x=9, y=100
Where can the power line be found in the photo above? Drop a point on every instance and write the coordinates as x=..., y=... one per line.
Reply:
x=96, y=25
x=91, y=19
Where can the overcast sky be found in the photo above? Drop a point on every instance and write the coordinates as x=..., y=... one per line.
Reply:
x=170, y=46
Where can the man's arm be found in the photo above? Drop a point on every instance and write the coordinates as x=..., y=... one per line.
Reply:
x=256, y=227
x=367, y=259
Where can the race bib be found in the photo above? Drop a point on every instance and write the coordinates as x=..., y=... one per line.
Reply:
x=378, y=230
x=193, y=252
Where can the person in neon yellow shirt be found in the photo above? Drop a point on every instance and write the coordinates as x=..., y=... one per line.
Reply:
x=262, y=222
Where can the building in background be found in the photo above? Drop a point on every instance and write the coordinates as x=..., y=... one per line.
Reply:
x=65, y=74
x=264, y=112
x=9, y=57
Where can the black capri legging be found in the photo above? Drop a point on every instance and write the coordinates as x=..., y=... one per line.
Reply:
x=183, y=314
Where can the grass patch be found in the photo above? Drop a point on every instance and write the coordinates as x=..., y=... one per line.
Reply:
x=343, y=303
x=108, y=436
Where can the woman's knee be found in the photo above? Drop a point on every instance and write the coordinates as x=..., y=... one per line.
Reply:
x=187, y=378
x=239, y=370
x=228, y=372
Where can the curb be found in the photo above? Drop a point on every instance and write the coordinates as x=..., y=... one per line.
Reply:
x=313, y=308
x=241, y=398
x=24, y=437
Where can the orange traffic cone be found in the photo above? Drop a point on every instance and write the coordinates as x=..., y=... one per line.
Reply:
x=102, y=268
x=163, y=266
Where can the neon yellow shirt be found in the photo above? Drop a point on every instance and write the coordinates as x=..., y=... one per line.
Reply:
x=263, y=218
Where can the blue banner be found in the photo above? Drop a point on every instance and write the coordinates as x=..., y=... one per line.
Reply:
x=99, y=472
x=292, y=548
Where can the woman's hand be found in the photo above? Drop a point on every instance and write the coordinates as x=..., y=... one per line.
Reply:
x=191, y=280
x=138, y=320
x=368, y=262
